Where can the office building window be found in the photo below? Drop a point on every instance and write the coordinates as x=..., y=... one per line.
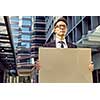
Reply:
x=25, y=37
x=25, y=44
x=25, y=29
x=79, y=31
x=26, y=22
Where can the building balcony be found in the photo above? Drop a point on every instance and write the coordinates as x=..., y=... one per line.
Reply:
x=22, y=53
x=27, y=18
x=26, y=32
x=14, y=22
x=24, y=65
x=21, y=49
x=35, y=22
x=14, y=28
x=36, y=46
x=21, y=40
x=4, y=36
x=26, y=25
x=23, y=57
x=92, y=39
x=38, y=30
x=15, y=35
x=34, y=55
x=23, y=72
x=5, y=50
x=4, y=40
x=38, y=38
x=39, y=20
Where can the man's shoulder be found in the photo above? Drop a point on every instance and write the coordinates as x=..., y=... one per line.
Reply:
x=50, y=44
x=53, y=44
x=71, y=45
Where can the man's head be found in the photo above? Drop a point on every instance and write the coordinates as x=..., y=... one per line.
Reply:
x=60, y=27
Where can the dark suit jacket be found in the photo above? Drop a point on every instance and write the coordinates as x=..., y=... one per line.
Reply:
x=53, y=44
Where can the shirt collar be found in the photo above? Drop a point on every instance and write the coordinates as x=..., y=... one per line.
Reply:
x=58, y=45
x=57, y=40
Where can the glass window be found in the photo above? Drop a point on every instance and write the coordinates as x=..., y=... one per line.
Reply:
x=5, y=44
x=25, y=29
x=26, y=22
x=15, y=46
x=14, y=25
x=25, y=44
x=27, y=16
x=1, y=19
x=15, y=31
x=13, y=18
x=25, y=37
x=15, y=39
x=78, y=18
x=38, y=41
x=3, y=30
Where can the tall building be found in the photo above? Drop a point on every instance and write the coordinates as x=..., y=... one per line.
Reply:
x=22, y=30
x=37, y=40
x=84, y=31
x=28, y=36
x=38, y=35
x=7, y=54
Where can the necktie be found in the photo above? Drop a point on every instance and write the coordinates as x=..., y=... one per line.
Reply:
x=62, y=44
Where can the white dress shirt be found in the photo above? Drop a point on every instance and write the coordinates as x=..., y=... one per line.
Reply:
x=58, y=45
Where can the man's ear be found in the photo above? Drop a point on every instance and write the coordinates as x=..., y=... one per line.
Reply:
x=54, y=30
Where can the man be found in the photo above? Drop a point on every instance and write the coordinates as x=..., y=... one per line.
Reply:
x=60, y=30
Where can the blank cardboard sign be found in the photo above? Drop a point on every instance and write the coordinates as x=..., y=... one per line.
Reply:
x=68, y=65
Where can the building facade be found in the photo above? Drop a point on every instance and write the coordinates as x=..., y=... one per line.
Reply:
x=22, y=29
x=38, y=35
x=7, y=54
x=37, y=40
x=28, y=36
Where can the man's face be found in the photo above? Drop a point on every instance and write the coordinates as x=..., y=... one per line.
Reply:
x=60, y=28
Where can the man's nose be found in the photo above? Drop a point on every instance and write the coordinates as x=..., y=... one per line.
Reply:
x=61, y=27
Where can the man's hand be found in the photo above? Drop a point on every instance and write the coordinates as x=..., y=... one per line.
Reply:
x=37, y=64
x=91, y=66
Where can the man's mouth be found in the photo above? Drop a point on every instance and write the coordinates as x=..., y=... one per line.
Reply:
x=62, y=31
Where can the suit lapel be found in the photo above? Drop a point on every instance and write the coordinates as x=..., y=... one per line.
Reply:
x=53, y=44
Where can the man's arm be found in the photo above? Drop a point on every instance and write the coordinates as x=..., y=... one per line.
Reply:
x=91, y=66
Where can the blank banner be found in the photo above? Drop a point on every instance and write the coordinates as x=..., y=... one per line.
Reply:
x=68, y=65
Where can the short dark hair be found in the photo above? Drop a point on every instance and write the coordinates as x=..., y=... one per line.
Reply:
x=61, y=19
